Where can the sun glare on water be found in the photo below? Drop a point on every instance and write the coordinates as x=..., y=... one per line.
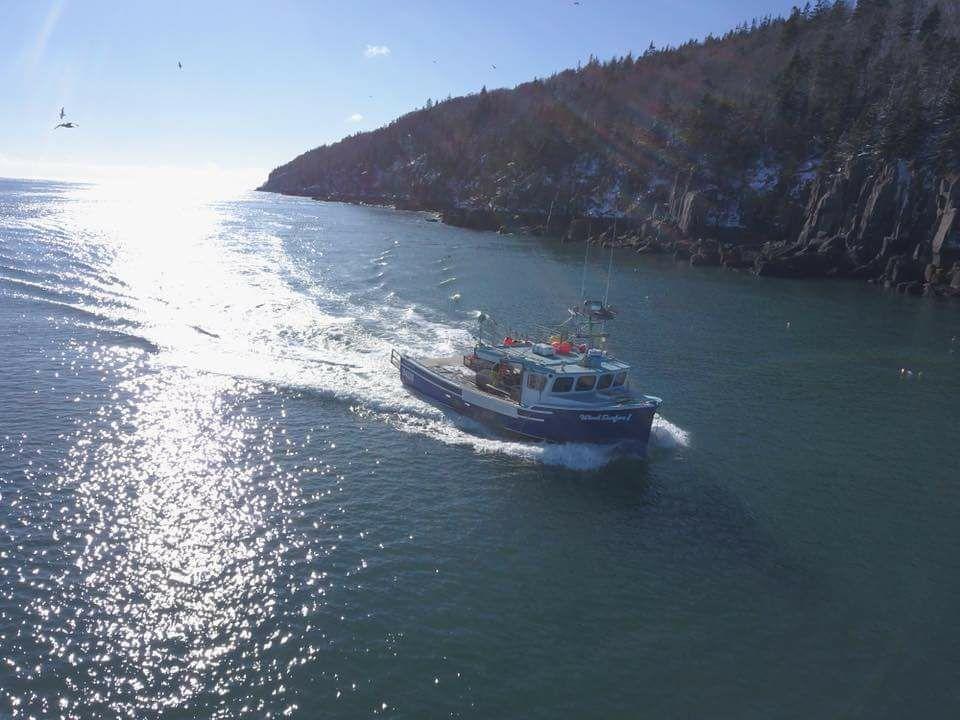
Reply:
x=187, y=274
x=175, y=534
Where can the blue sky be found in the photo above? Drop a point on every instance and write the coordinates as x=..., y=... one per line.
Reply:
x=264, y=81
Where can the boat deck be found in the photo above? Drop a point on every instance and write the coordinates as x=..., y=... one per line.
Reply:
x=454, y=371
x=453, y=374
x=465, y=377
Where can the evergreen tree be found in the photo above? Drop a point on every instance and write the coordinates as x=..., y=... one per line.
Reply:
x=948, y=122
x=931, y=23
x=831, y=91
x=839, y=12
x=870, y=8
x=906, y=20
x=791, y=27
x=902, y=120
x=791, y=89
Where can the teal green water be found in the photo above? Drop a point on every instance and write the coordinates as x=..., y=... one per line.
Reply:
x=217, y=501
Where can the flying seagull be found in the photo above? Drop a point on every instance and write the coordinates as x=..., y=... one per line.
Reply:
x=494, y=67
x=67, y=125
x=62, y=113
x=179, y=64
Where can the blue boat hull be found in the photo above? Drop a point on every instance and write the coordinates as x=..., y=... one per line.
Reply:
x=627, y=426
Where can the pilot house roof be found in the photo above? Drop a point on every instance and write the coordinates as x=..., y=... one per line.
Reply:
x=570, y=363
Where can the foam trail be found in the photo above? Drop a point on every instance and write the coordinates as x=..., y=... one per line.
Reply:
x=303, y=359
x=468, y=433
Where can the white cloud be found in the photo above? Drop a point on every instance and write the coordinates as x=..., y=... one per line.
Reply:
x=355, y=118
x=374, y=51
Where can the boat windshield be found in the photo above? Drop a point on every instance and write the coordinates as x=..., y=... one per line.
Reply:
x=604, y=382
x=586, y=382
x=620, y=379
x=535, y=381
x=562, y=384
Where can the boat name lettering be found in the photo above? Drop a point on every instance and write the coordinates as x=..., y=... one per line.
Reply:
x=606, y=418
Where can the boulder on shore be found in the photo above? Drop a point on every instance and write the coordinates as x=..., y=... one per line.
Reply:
x=578, y=231
x=901, y=270
x=737, y=258
x=471, y=218
x=705, y=253
x=799, y=265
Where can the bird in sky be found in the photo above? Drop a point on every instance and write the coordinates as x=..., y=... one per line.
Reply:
x=62, y=113
x=67, y=125
x=179, y=64
x=494, y=67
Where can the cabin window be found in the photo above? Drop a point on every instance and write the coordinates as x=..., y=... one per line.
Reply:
x=604, y=382
x=620, y=379
x=586, y=382
x=562, y=384
x=536, y=382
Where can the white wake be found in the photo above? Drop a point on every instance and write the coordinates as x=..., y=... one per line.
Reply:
x=238, y=305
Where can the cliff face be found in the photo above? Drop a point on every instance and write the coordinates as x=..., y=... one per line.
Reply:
x=893, y=222
x=824, y=144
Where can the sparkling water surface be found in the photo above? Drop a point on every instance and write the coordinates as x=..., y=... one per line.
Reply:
x=216, y=500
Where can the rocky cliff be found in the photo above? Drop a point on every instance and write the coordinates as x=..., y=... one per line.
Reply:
x=895, y=223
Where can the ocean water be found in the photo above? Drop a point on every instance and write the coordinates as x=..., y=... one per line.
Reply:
x=216, y=500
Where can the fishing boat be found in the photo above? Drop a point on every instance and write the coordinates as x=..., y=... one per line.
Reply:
x=564, y=389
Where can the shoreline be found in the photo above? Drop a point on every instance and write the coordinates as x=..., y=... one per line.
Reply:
x=663, y=237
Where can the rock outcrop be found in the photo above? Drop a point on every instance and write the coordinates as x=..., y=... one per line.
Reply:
x=474, y=219
x=891, y=222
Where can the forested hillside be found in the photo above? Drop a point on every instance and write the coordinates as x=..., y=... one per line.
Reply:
x=825, y=143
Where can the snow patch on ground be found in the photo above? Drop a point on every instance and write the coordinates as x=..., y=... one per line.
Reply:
x=730, y=216
x=763, y=177
x=808, y=171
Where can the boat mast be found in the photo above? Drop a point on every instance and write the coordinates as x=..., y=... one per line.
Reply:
x=583, y=274
x=606, y=294
x=481, y=318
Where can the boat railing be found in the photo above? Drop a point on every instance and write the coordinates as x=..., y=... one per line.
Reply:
x=395, y=358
